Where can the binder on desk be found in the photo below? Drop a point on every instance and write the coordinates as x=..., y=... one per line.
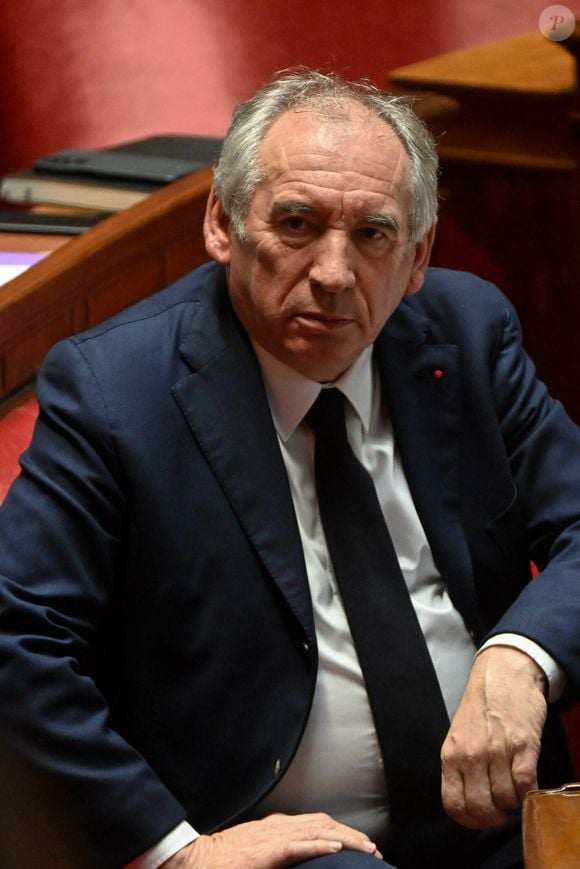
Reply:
x=74, y=223
x=31, y=186
x=111, y=178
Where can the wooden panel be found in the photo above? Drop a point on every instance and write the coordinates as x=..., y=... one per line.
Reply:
x=528, y=223
x=510, y=160
x=20, y=364
x=142, y=279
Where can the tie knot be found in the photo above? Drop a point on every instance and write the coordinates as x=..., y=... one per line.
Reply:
x=326, y=416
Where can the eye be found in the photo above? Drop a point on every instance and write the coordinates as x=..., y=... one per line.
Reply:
x=296, y=230
x=371, y=233
x=295, y=223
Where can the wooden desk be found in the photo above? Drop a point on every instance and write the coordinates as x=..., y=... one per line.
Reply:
x=31, y=242
x=510, y=95
x=510, y=158
x=92, y=276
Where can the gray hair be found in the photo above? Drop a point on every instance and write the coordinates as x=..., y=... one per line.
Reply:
x=238, y=171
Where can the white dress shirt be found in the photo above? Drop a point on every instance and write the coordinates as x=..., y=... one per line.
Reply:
x=338, y=765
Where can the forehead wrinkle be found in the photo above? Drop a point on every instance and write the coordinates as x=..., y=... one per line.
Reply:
x=325, y=131
x=296, y=167
x=322, y=149
x=327, y=175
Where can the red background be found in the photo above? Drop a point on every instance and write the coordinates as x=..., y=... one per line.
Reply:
x=87, y=73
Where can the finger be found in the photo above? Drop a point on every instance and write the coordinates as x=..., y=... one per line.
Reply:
x=295, y=852
x=452, y=791
x=234, y=851
x=320, y=827
x=467, y=794
x=502, y=782
x=323, y=826
x=513, y=775
x=502, y=786
x=480, y=812
x=524, y=772
x=299, y=851
x=480, y=804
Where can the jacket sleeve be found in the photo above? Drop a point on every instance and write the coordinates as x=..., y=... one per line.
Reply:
x=83, y=794
x=543, y=447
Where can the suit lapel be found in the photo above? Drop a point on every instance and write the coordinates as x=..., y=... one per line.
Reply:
x=422, y=387
x=225, y=405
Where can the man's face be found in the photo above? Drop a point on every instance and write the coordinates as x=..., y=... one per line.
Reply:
x=326, y=258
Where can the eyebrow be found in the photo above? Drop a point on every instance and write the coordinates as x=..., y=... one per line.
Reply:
x=292, y=207
x=383, y=220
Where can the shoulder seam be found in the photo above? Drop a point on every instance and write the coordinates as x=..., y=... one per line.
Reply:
x=112, y=326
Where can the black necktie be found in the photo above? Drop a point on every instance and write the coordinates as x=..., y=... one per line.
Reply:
x=407, y=706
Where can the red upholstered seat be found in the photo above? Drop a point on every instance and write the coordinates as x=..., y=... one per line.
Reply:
x=15, y=432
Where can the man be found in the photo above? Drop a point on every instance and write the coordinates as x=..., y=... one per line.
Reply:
x=175, y=653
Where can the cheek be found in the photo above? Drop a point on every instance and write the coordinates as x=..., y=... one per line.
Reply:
x=267, y=254
x=259, y=308
x=287, y=263
x=380, y=300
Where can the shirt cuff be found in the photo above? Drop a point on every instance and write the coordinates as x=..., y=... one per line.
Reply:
x=174, y=841
x=554, y=674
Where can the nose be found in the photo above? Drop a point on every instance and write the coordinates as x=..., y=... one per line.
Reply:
x=332, y=266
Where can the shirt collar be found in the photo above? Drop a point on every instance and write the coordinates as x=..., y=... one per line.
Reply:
x=291, y=395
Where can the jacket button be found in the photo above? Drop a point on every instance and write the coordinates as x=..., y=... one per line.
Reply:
x=277, y=768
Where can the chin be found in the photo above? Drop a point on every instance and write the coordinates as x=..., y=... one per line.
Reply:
x=318, y=363
x=322, y=372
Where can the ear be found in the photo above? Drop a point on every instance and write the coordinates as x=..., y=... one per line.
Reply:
x=421, y=254
x=216, y=230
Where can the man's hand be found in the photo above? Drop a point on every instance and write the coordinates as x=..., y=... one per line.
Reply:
x=272, y=843
x=490, y=756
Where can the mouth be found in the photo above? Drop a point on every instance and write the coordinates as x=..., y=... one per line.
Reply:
x=321, y=321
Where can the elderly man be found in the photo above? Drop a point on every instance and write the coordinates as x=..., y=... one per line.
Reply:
x=273, y=534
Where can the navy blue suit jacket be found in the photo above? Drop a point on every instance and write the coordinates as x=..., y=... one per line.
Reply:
x=157, y=646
